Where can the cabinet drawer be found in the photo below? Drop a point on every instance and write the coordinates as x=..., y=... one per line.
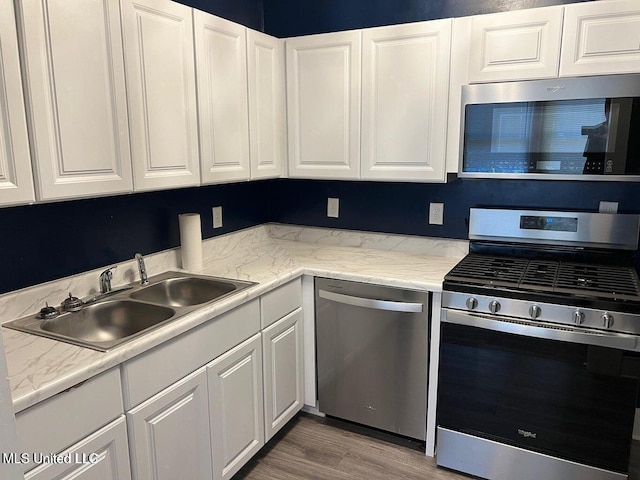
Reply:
x=62, y=420
x=280, y=302
x=158, y=368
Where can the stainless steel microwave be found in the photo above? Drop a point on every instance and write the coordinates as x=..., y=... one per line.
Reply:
x=584, y=128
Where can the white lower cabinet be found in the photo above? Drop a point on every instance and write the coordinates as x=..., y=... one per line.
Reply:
x=236, y=407
x=170, y=432
x=103, y=455
x=282, y=345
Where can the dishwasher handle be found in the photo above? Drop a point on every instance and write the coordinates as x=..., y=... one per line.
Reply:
x=390, y=305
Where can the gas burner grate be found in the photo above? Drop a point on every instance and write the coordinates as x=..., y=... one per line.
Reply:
x=603, y=280
x=502, y=271
x=540, y=275
x=548, y=276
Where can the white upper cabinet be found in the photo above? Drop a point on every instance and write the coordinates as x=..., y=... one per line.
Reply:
x=601, y=38
x=75, y=88
x=516, y=45
x=458, y=76
x=221, y=59
x=265, y=65
x=405, y=86
x=161, y=88
x=16, y=183
x=323, y=105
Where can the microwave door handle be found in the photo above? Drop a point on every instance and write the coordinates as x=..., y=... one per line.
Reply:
x=566, y=334
x=407, y=307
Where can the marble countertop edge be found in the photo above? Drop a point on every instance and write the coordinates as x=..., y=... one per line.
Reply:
x=40, y=368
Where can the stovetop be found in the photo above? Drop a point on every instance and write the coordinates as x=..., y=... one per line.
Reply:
x=546, y=276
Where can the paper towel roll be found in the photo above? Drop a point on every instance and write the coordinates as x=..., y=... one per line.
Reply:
x=191, y=241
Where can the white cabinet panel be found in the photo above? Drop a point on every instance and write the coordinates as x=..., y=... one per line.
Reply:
x=162, y=93
x=236, y=407
x=16, y=183
x=516, y=45
x=282, y=345
x=265, y=64
x=76, y=94
x=404, y=101
x=221, y=54
x=170, y=432
x=601, y=38
x=323, y=105
x=458, y=76
x=103, y=455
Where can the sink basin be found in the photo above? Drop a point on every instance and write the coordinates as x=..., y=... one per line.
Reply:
x=185, y=291
x=108, y=321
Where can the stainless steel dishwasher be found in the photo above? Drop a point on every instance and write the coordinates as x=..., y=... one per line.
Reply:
x=372, y=355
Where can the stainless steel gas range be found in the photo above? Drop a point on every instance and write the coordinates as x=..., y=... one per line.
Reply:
x=540, y=353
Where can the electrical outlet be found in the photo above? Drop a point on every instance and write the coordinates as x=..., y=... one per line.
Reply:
x=436, y=213
x=608, y=207
x=217, y=217
x=333, y=207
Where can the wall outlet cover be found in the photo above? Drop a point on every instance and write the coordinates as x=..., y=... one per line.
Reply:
x=217, y=217
x=608, y=207
x=333, y=207
x=436, y=213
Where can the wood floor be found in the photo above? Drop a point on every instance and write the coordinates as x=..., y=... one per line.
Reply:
x=312, y=448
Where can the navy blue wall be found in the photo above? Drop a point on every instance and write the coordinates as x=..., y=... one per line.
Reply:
x=288, y=18
x=403, y=207
x=43, y=242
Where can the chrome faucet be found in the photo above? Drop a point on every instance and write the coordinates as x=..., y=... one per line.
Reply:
x=105, y=279
x=143, y=270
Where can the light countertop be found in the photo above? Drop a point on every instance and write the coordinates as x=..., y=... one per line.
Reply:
x=270, y=255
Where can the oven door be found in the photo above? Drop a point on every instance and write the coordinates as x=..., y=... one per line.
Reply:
x=573, y=401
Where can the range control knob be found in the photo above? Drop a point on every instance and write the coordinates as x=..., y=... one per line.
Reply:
x=607, y=320
x=472, y=303
x=494, y=306
x=578, y=317
x=534, y=311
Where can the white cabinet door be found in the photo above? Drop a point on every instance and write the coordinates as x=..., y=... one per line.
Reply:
x=170, y=432
x=601, y=38
x=161, y=91
x=221, y=59
x=458, y=76
x=265, y=65
x=405, y=86
x=516, y=45
x=282, y=346
x=16, y=182
x=103, y=455
x=75, y=85
x=236, y=407
x=323, y=105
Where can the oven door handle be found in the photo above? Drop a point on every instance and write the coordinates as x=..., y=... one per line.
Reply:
x=537, y=330
x=408, y=307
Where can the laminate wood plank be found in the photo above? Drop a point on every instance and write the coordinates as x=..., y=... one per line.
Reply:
x=314, y=448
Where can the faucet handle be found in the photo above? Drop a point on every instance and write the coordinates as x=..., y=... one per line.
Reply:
x=144, y=279
x=105, y=279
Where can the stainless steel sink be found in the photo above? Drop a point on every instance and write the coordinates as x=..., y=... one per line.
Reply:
x=108, y=321
x=185, y=291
